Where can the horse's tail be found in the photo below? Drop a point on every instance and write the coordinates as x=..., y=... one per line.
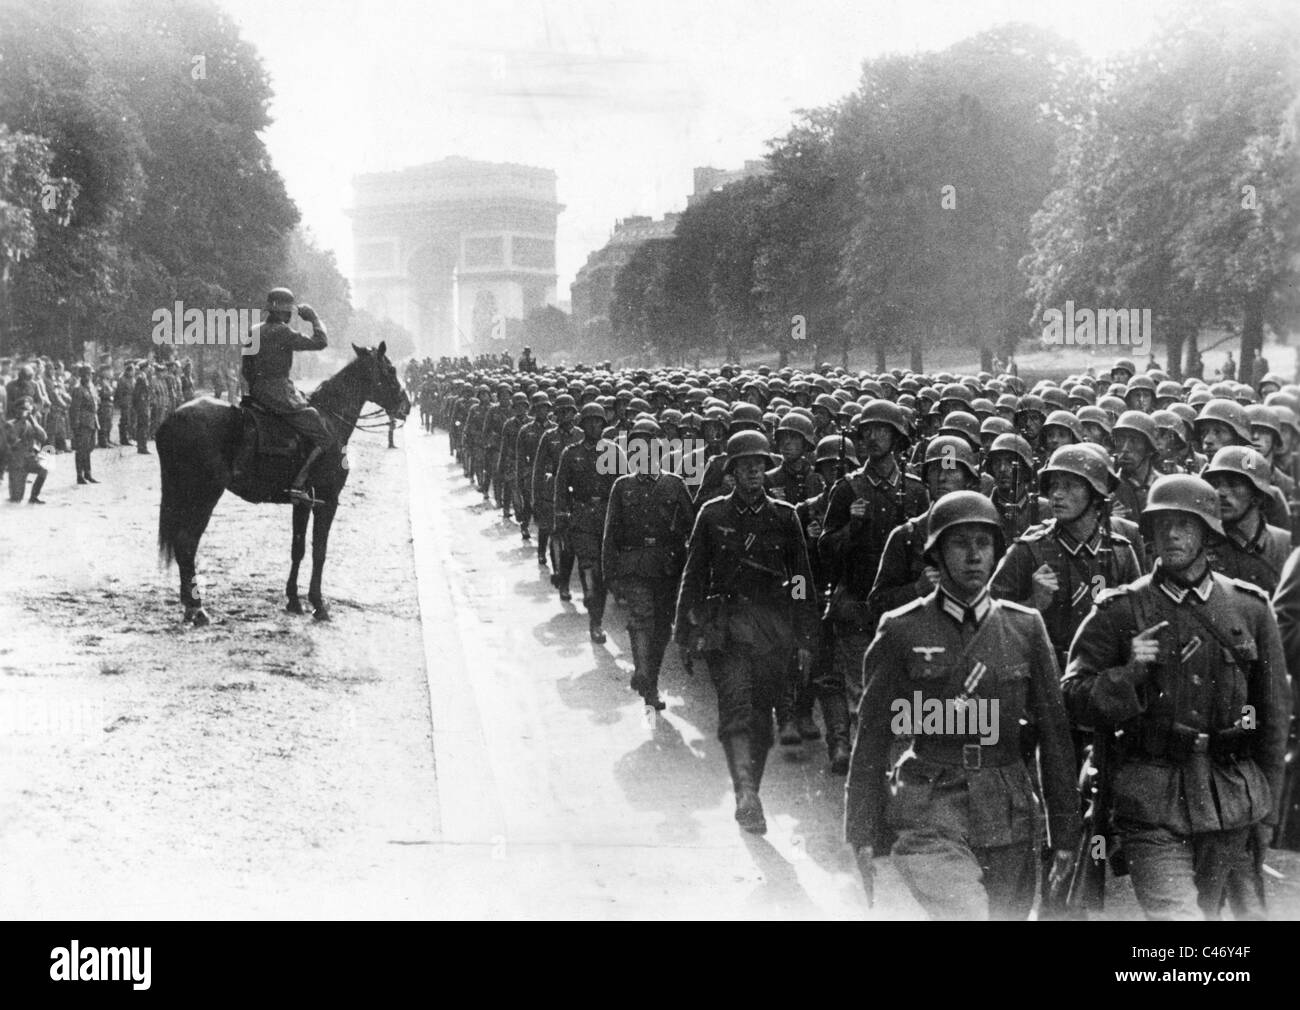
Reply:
x=170, y=508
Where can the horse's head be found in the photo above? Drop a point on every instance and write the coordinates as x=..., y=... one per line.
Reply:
x=379, y=381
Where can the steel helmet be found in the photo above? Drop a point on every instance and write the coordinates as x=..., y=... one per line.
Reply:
x=828, y=450
x=957, y=508
x=1181, y=492
x=962, y=424
x=1242, y=461
x=1125, y=364
x=1287, y=417
x=1082, y=395
x=1008, y=401
x=671, y=416
x=1014, y=445
x=800, y=425
x=1169, y=390
x=1261, y=416
x=1064, y=419
x=1184, y=410
x=540, y=399
x=590, y=410
x=1227, y=412
x=1168, y=420
x=1055, y=397
x=884, y=412
x=645, y=427
x=1271, y=379
x=690, y=421
x=982, y=407
x=949, y=451
x=565, y=402
x=1030, y=402
x=1086, y=464
x=1094, y=415
x=1244, y=394
x=1136, y=421
x=1140, y=382
x=747, y=443
x=956, y=392
x=827, y=403
x=1199, y=396
x=996, y=426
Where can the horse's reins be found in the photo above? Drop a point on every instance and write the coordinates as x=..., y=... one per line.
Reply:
x=367, y=416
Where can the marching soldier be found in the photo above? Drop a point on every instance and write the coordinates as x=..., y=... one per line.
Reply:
x=1188, y=665
x=1011, y=462
x=505, y=462
x=1250, y=549
x=141, y=408
x=863, y=509
x=961, y=798
x=795, y=480
x=530, y=434
x=644, y=547
x=583, y=481
x=746, y=603
x=494, y=420
x=553, y=441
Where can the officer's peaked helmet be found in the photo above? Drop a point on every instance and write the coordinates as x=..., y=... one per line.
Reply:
x=1181, y=492
x=958, y=508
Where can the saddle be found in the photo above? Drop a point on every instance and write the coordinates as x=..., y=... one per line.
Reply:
x=268, y=455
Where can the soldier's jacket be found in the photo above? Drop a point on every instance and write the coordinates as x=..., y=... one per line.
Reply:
x=552, y=443
x=267, y=371
x=854, y=548
x=647, y=522
x=83, y=411
x=1163, y=775
x=141, y=396
x=474, y=424
x=1016, y=517
x=459, y=416
x=982, y=794
x=808, y=511
x=901, y=579
x=756, y=557
x=1257, y=560
x=581, y=489
x=714, y=481
x=494, y=420
x=1132, y=492
x=122, y=395
x=796, y=483
x=505, y=462
x=530, y=434
x=1083, y=571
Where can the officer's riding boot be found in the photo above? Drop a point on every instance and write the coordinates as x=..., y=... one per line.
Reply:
x=542, y=537
x=835, y=713
x=749, y=810
x=298, y=490
x=646, y=679
x=89, y=478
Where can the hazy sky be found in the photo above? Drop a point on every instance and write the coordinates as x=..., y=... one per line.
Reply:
x=621, y=99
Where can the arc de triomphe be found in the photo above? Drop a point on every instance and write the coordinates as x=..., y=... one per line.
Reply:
x=453, y=249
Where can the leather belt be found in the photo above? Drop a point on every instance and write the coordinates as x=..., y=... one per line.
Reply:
x=971, y=756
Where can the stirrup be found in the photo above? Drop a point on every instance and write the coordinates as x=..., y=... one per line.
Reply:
x=299, y=494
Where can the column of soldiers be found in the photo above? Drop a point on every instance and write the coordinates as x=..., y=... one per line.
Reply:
x=1105, y=568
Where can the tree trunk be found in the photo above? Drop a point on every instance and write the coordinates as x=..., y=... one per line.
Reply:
x=783, y=358
x=1252, y=336
x=844, y=354
x=916, y=364
x=1174, y=352
x=880, y=357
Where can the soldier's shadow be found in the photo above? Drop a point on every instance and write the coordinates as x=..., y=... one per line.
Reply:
x=667, y=774
x=780, y=888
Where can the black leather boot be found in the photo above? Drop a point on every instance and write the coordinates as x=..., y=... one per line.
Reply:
x=835, y=713
x=645, y=681
x=740, y=762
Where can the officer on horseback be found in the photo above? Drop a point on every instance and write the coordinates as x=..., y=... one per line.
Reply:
x=269, y=385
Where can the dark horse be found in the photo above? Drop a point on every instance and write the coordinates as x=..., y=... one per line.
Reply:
x=197, y=445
